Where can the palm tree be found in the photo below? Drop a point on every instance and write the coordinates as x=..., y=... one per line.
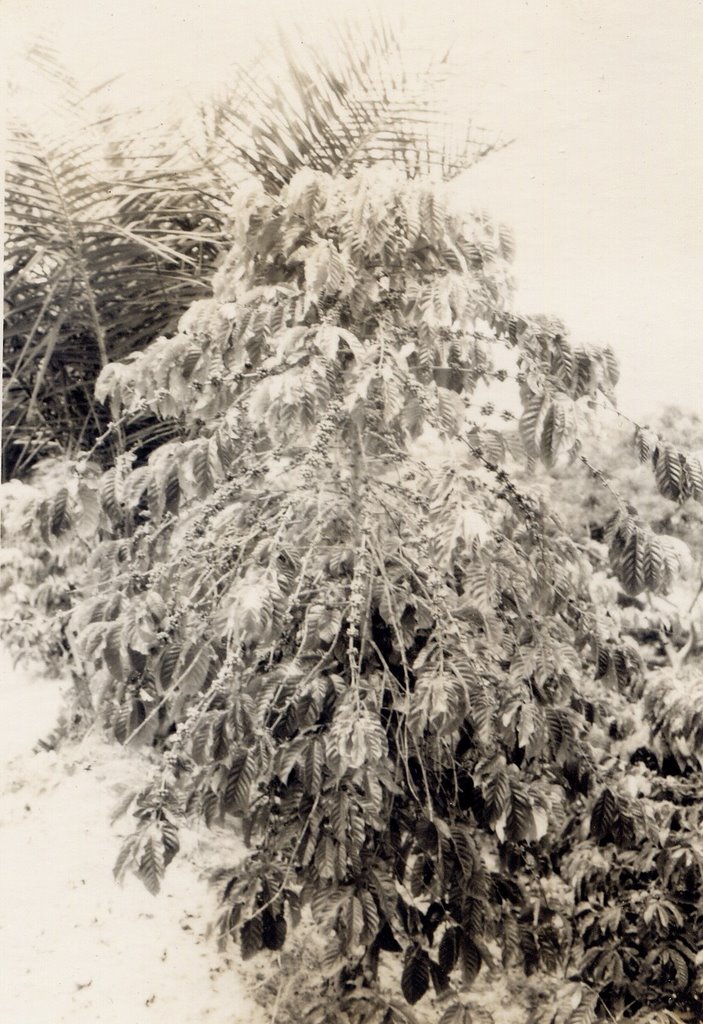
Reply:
x=102, y=251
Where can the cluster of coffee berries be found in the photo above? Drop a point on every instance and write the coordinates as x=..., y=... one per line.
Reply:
x=357, y=593
x=317, y=454
x=419, y=391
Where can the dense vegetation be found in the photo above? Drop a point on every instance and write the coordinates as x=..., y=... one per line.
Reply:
x=332, y=596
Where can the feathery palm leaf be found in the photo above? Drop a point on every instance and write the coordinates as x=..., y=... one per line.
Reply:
x=370, y=105
x=96, y=266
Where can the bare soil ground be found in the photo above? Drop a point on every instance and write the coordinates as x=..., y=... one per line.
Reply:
x=74, y=946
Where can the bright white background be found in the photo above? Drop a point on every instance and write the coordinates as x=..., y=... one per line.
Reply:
x=603, y=185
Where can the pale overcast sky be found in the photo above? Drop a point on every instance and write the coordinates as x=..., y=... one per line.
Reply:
x=603, y=185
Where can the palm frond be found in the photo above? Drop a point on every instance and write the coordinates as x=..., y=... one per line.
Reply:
x=102, y=254
x=371, y=104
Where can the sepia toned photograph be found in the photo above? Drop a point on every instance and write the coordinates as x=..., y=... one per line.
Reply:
x=351, y=565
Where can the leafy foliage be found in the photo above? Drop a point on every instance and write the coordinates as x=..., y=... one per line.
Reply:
x=351, y=631
x=37, y=578
x=109, y=238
